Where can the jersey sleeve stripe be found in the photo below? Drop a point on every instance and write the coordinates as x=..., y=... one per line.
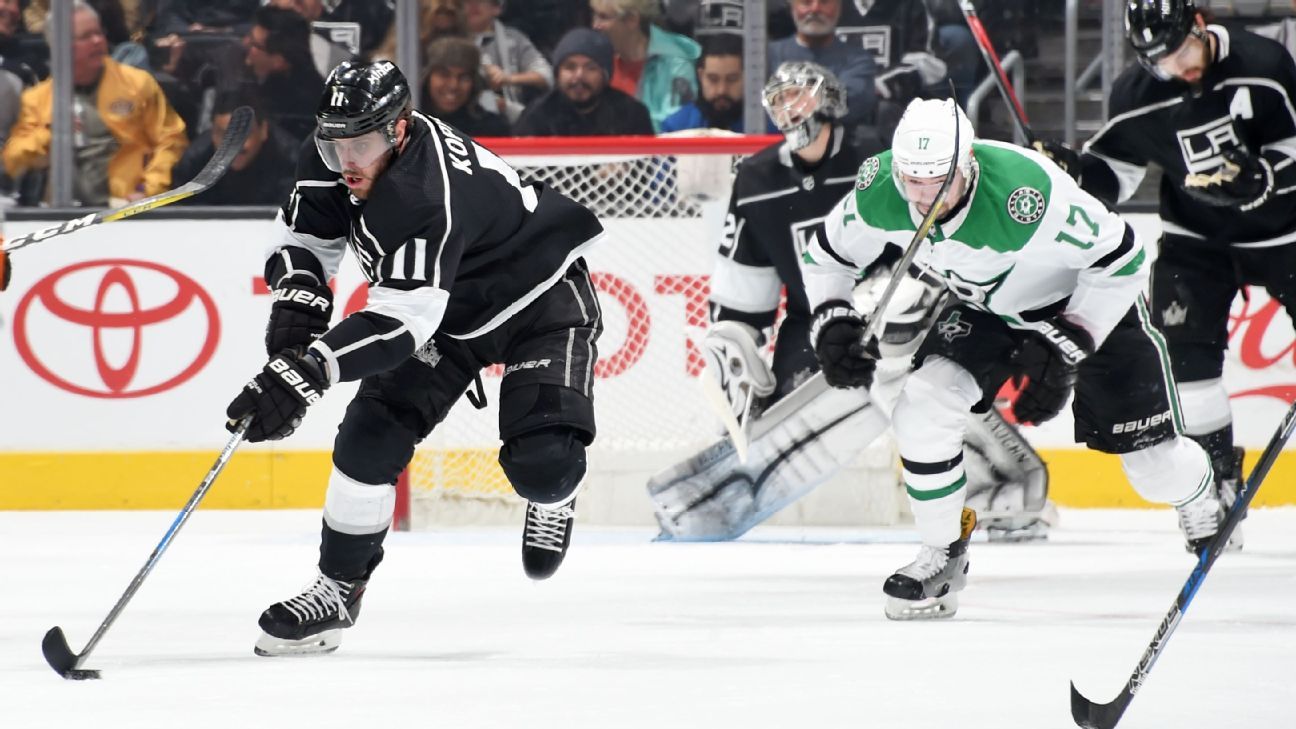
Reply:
x=445, y=186
x=1123, y=249
x=1270, y=83
x=751, y=289
x=765, y=196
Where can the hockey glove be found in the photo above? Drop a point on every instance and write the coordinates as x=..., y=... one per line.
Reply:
x=837, y=335
x=278, y=396
x=733, y=360
x=300, y=313
x=1245, y=181
x=1049, y=360
x=1061, y=155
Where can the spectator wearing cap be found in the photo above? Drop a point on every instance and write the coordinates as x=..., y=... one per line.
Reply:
x=452, y=85
x=651, y=64
x=264, y=169
x=515, y=71
x=584, y=104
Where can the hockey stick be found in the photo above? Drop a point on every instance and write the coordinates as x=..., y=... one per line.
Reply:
x=55, y=646
x=1001, y=77
x=902, y=267
x=230, y=145
x=1104, y=716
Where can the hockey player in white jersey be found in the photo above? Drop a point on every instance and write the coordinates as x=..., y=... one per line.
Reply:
x=802, y=432
x=1049, y=288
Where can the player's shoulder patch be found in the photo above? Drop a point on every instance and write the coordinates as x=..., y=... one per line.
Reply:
x=1026, y=205
x=867, y=173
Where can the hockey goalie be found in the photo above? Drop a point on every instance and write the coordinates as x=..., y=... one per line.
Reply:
x=788, y=431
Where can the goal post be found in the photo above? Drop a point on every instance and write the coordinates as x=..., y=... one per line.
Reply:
x=663, y=202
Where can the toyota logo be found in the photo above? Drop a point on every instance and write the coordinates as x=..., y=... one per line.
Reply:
x=116, y=328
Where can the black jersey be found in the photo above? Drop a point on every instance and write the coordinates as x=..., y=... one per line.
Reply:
x=1246, y=100
x=886, y=28
x=449, y=238
x=777, y=205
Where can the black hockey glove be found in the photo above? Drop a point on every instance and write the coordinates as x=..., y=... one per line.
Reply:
x=837, y=335
x=1063, y=156
x=278, y=396
x=1049, y=360
x=1245, y=181
x=300, y=313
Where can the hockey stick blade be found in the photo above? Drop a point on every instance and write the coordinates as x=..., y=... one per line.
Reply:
x=61, y=658
x=1091, y=715
x=230, y=145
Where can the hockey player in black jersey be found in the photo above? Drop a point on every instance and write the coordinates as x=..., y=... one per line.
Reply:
x=467, y=266
x=779, y=200
x=1215, y=109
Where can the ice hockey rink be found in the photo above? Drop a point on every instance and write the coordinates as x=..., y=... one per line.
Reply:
x=782, y=629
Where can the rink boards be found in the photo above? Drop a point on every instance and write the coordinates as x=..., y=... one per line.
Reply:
x=121, y=345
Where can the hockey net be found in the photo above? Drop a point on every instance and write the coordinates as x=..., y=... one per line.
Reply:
x=662, y=202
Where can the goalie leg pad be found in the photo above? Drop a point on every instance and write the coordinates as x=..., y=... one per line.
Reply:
x=800, y=442
x=1007, y=481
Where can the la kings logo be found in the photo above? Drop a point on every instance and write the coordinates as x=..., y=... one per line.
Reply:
x=1203, y=146
x=805, y=232
x=1026, y=205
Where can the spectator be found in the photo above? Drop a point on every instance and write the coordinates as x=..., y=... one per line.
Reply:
x=956, y=47
x=112, y=16
x=29, y=64
x=720, y=81
x=814, y=41
x=515, y=71
x=127, y=138
x=584, y=104
x=452, y=85
x=278, y=55
x=262, y=174
x=651, y=64
x=325, y=52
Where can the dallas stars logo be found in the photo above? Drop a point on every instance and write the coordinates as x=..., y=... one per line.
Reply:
x=867, y=172
x=977, y=293
x=953, y=327
x=1026, y=205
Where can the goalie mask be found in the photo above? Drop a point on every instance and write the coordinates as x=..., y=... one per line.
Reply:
x=357, y=114
x=923, y=147
x=800, y=97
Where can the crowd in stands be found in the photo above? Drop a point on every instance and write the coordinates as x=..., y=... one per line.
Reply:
x=156, y=80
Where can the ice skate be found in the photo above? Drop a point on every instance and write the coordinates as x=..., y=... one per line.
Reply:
x=545, y=537
x=312, y=622
x=928, y=587
x=1200, y=519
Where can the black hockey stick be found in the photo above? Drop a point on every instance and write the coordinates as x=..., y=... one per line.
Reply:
x=1001, y=77
x=902, y=266
x=230, y=145
x=1104, y=716
x=55, y=646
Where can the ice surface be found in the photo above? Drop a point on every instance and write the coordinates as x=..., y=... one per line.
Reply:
x=783, y=629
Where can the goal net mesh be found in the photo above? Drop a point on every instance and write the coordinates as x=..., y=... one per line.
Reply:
x=663, y=205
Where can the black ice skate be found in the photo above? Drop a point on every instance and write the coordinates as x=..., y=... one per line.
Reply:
x=312, y=622
x=928, y=587
x=545, y=537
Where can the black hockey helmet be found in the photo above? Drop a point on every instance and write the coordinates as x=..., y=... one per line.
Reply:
x=1156, y=28
x=360, y=98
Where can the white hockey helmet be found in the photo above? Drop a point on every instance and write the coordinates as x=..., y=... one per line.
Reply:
x=800, y=97
x=923, y=144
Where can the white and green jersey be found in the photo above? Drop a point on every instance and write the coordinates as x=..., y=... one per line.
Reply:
x=1025, y=240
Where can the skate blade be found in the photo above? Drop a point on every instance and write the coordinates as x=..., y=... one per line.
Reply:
x=932, y=608
x=271, y=647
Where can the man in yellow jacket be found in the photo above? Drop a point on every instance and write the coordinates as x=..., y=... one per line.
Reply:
x=127, y=137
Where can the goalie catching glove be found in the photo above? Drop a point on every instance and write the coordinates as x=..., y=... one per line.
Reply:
x=1245, y=181
x=837, y=335
x=1049, y=359
x=300, y=313
x=734, y=362
x=278, y=396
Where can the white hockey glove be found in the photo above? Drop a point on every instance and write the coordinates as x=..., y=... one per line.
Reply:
x=1245, y=181
x=734, y=361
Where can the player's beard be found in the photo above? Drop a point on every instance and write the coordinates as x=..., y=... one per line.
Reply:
x=720, y=118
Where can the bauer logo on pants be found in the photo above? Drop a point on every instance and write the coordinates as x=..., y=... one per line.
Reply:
x=116, y=328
